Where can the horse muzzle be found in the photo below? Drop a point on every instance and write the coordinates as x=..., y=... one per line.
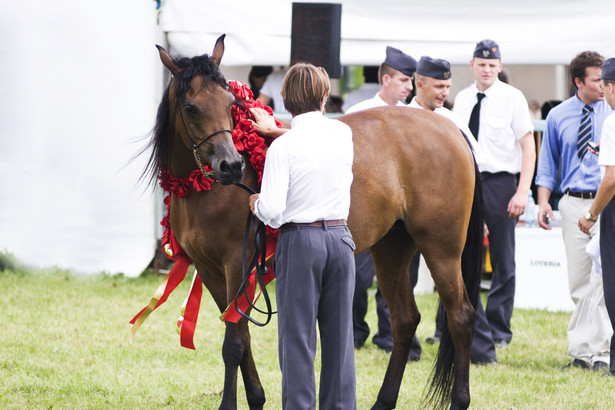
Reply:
x=229, y=172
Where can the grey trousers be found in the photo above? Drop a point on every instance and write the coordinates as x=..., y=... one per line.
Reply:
x=315, y=283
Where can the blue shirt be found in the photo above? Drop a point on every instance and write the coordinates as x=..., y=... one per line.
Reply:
x=559, y=146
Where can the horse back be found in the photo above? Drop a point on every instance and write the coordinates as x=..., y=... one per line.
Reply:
x=411, y=165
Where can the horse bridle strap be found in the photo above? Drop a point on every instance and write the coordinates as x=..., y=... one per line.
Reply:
x=259, y=246
x=195, y=147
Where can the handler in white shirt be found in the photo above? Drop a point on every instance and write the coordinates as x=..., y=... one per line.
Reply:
x=306, y=193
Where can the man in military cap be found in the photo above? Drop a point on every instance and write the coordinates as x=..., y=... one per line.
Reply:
x=603, y=207
x=433, y=83
x=395, y=78
x=499, y=119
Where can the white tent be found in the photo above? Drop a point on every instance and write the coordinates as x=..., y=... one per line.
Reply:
x=528, y=31
x=79, y=87
x=81, y=81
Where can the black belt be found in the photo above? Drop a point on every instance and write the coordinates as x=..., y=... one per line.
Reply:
x=582, y=195
x=317, y=224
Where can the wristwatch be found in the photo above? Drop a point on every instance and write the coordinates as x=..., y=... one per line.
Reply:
x=590, y=218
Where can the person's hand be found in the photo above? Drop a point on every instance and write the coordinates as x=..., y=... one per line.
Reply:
x=517, y=205
x=594, y=151
x=544, y=211
x=253, y=199
x=263, y=123
x=585, y=225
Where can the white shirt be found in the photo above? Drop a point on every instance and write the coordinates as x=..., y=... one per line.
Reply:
x=504, y=120
x=460, y=123
x=374, y=102
x=308, y=173
x=607, y=144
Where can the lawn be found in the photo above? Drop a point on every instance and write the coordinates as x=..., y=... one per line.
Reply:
x=65, y=345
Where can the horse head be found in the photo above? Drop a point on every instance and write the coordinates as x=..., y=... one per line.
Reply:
x=200, y=114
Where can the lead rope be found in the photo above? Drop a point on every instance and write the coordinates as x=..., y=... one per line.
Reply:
x=260, y=247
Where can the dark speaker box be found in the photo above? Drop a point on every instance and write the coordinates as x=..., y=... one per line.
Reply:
x=316, y=34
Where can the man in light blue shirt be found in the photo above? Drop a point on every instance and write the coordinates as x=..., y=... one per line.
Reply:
x=580, y=177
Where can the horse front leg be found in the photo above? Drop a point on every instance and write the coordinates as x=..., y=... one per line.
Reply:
x=254, y=389
x=237, y=353
x=232, y=354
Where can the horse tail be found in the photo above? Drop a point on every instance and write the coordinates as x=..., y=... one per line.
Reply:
x=441, y=387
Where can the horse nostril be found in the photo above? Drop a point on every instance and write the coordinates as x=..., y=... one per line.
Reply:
x=224, y=168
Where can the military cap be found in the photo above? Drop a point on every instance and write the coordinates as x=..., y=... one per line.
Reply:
x=400, y=61
x=487, y=49
x=434, y=68
x=608, y=69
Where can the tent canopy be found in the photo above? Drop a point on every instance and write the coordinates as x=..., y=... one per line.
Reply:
x=528, y=31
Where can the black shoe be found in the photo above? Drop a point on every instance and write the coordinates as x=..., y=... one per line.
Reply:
x=385, y=348
x=582, y=364
x=599, y=366
x=432, y=340
x=413, y=358
x=485, y=362
x=500, y=344
x=358, y=344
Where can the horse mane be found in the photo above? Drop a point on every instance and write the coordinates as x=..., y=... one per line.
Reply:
x=159, y=142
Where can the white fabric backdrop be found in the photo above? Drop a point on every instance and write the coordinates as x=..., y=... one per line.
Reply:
x=528, y=31
x=81, y=80
x=78, y=87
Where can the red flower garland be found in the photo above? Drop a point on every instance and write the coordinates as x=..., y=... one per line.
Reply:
x=245, y=139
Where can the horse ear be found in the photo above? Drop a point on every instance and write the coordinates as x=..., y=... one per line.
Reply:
x=168, y=61
x=216, y=56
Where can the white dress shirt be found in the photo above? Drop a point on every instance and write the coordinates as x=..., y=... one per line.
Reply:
x=504, y=120
x=373, y=102
x=607, y=144
x=308, y=173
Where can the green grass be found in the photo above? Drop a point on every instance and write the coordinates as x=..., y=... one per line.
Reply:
x=64, y=344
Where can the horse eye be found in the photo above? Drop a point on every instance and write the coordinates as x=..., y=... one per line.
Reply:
x=191, y=109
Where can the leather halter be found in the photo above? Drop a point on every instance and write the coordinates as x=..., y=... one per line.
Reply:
x=195, y=147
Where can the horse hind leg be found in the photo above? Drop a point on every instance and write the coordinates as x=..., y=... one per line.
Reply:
x=392, y=256
x=451, y=371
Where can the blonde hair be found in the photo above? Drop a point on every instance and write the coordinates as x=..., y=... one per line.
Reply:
x=304, y=87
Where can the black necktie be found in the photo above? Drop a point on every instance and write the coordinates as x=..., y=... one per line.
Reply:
x=585, y=131
x=475, y=116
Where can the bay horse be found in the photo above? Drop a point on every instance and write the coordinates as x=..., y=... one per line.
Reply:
x=415, y=186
